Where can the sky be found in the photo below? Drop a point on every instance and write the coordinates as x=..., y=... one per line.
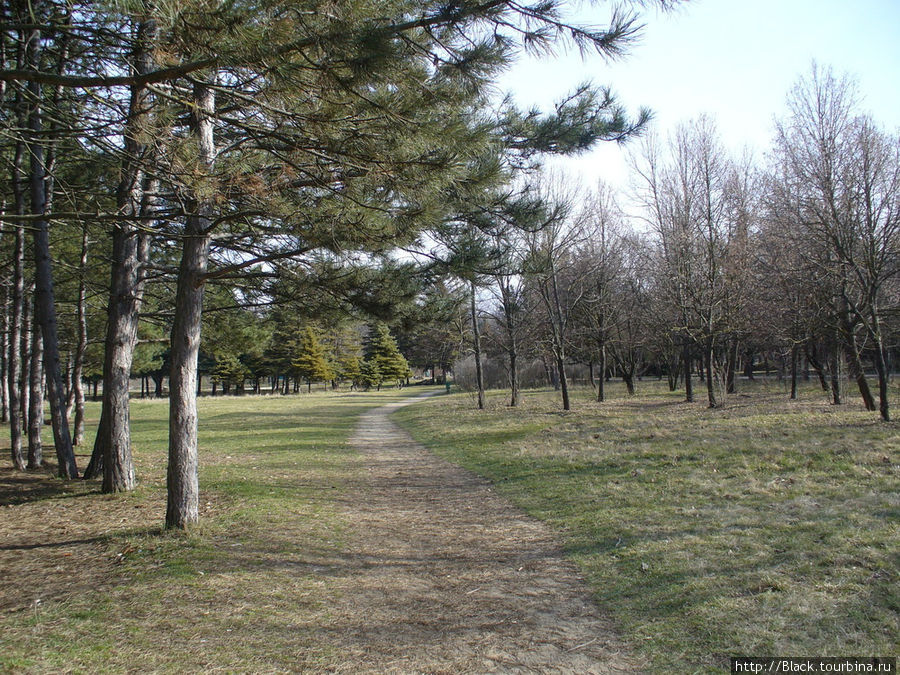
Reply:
x=734, y=60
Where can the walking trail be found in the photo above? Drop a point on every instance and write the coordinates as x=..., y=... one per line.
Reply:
x=449, y=577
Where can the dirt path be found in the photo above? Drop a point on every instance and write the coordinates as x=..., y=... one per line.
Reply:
x=448, y=577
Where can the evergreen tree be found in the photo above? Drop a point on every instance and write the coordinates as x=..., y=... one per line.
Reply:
x=369, y=375
x=349, y=369
x=311, y=362
x=384, y=354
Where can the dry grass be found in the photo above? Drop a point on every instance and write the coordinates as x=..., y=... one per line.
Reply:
x=767, y=527
x=89, y=582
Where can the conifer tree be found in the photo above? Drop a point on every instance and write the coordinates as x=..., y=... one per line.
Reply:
x=349, y=369
x=369, y=375
x=311, y=362
x=384, y=354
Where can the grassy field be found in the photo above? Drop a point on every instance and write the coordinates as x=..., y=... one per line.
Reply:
x=769, y=527
x=89, y=582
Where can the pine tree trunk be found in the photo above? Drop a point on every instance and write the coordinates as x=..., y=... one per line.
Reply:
x=112, y=446
x=29, y=327
x=81, y=347
x=476, y=340
x=4, y=359
x=14, y=371
x=44, y=302
x=36, y=402
x=94, y=469
x=182, y=480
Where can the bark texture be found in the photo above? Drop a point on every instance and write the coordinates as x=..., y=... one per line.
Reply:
x=36, y=402
x=476, y=344
x=112, y=447
x=44, y=302
x=182, y=485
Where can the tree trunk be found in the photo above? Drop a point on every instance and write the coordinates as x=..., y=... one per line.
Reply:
x=81, y=347
x=709, y=358
x=731, y=367
x=881, y=368
x=94, y=469
x=628, y=379
x=601, y=381
x=854, y=363
x=182, y=480
x=549, y=290
x=563, y=380
x=476, y=343
x=4, y=359
x=36, y=402
x=14, y=372
x=688, y=383
x=514, y=375
x=837, y=376
x=812, y=360
x=748, y=365
x=550, y=373
x=29, y=326
x=795, y=358
x=112, y=446
x=44, y=303
x=512, y=342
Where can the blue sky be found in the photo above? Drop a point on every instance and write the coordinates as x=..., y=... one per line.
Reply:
x=732, y=59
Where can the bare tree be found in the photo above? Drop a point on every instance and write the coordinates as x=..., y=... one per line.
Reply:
x=551, y=254
x=848, y=175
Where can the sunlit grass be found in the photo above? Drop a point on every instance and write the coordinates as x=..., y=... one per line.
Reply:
x=767, y=527
x=246, y=590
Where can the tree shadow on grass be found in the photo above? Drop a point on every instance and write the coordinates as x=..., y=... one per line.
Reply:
x=17, y=487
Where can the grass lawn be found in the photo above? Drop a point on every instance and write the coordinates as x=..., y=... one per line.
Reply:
x=769, y=527
x=90, y=583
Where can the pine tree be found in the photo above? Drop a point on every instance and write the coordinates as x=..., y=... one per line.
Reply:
x=369, y=375
x=311, y=361
x=384, y=354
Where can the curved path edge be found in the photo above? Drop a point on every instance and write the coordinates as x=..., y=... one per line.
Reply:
x=446, y=576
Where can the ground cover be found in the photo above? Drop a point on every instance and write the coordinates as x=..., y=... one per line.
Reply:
x=767, y=527
x=89, y=583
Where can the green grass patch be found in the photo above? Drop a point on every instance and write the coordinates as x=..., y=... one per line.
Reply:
x=246, y=590
x=767, y=527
